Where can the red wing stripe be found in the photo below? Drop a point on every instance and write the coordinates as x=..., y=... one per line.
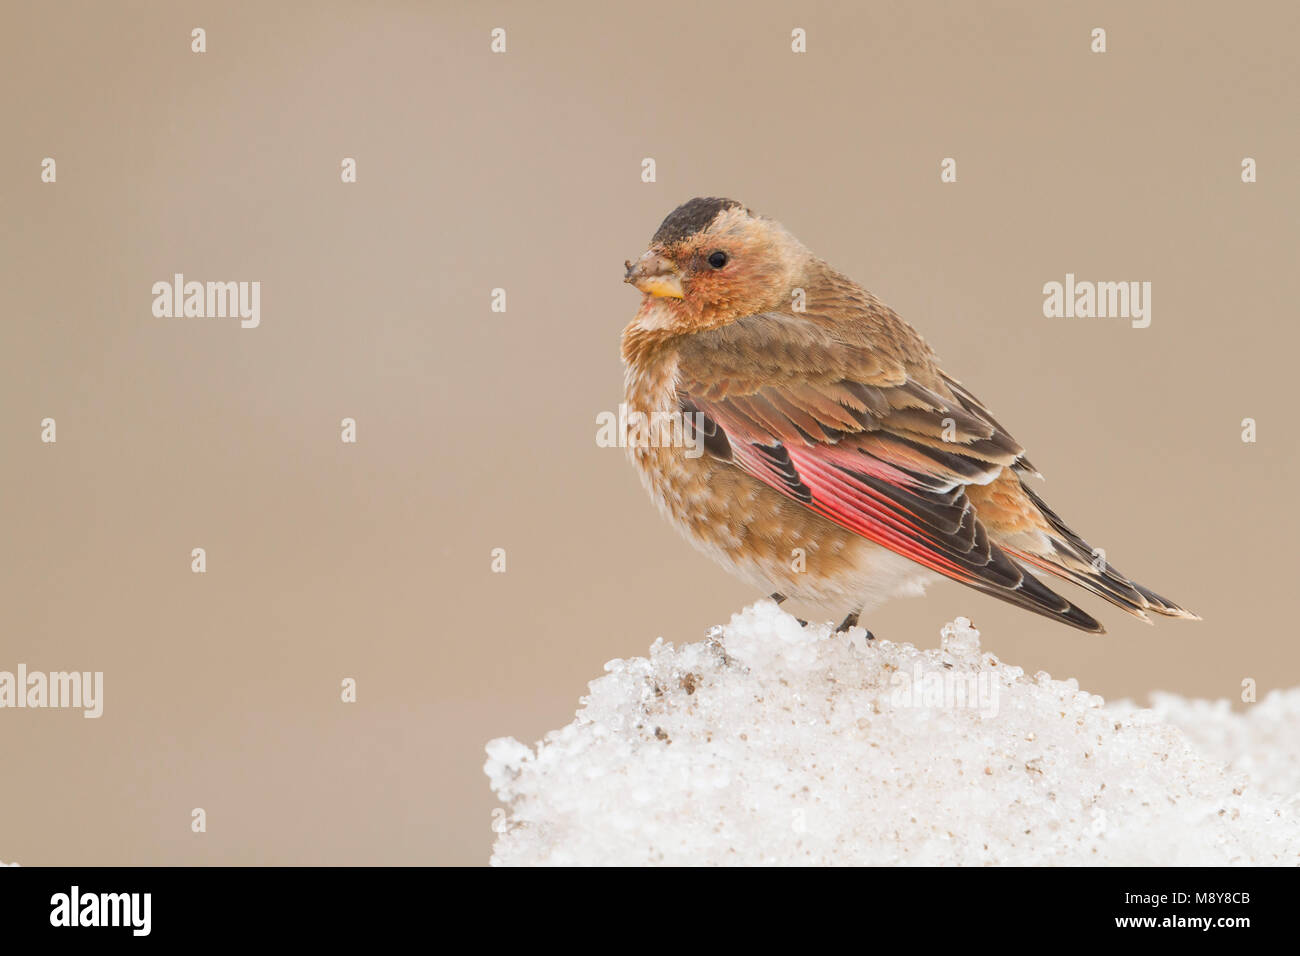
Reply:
x=871, y=519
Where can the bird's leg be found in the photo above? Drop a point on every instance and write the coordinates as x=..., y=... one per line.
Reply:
x=851, y=620
x=778, y=597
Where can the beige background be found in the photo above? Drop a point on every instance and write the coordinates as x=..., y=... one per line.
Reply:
x=476, y=430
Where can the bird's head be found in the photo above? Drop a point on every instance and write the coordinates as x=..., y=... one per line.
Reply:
x=713, y=261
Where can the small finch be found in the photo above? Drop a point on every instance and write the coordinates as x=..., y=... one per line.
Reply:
x=821, y=452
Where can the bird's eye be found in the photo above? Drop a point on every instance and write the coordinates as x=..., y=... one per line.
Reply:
x=717, y=259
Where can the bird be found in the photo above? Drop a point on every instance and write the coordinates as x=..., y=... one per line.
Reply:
x=820, y=452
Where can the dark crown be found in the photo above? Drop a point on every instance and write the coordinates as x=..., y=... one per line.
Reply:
x=691, y=217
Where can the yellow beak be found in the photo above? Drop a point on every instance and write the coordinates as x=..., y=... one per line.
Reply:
x=655, y=275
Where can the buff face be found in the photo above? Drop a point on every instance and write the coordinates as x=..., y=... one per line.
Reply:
x=712, y=262
x=843, y=466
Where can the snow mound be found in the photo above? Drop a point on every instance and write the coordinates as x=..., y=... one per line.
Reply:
x=771, y=743
x=1261, y=743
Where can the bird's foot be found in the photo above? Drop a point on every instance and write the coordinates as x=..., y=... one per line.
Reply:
x=778, y=597
x=851, y=620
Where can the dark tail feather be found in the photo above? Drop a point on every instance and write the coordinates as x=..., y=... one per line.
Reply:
x=1075, y=561
x=1033, y=595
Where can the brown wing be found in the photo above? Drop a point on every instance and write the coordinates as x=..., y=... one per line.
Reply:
x=856, y=436
x=844, y=409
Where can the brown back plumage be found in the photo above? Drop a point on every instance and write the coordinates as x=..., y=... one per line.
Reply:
x=851, y=392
